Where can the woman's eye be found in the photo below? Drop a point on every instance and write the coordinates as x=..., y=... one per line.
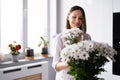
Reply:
x=74, y=17
x=80, y=18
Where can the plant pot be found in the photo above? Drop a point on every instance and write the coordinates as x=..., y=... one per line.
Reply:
x=30, y=53
x=44, y=50
x=15, y=58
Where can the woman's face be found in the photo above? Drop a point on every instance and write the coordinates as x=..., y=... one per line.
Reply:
x=75, y=18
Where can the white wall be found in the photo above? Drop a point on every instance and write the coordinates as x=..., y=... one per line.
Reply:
x=99, y=22
x=116, y=5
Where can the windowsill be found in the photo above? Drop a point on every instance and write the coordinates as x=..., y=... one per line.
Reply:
x=23, y=61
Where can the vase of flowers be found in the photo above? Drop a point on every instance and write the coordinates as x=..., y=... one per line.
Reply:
x=14, y=50
x=87, y=58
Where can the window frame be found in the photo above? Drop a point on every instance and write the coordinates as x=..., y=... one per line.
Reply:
x=25, y=30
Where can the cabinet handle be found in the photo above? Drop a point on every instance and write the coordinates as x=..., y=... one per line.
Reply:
x=12, y=70
x=34, y=66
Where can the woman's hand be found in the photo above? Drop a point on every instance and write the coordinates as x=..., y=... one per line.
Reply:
x=60, y=66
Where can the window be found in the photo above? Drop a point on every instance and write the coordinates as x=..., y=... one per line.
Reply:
x=23, y=21
x=37, y=22
x=11, y=23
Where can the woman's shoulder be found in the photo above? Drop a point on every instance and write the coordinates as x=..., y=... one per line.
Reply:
x=86, y=37
x=87, y=34
x=58, y=35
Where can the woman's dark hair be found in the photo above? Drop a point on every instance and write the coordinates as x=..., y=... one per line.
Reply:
x=83, y=26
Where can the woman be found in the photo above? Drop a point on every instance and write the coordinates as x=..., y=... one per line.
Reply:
x=75, y=18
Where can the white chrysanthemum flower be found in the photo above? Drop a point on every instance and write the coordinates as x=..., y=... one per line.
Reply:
x=84, y=55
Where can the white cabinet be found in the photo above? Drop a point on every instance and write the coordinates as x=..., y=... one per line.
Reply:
x=20, y=71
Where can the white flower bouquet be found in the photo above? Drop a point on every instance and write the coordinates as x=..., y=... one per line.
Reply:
x=87, y=58
x=70, y=36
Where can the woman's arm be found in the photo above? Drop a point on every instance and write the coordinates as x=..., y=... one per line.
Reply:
x=58, y=46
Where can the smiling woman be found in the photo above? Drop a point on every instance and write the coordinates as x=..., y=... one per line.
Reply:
x=73, y=20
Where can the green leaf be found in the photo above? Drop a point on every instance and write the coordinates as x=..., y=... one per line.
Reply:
x=44, y=41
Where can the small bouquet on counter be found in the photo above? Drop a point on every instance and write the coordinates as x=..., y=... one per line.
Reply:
x=14, y=48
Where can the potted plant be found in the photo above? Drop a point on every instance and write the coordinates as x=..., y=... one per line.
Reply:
x=14, y=50
x=45, y=43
